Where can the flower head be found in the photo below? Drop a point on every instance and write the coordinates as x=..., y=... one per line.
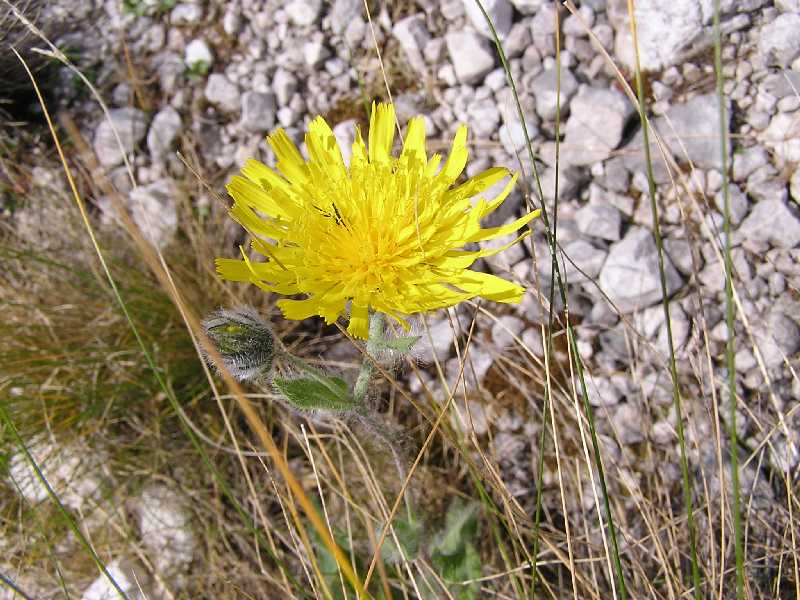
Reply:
x=385, y=234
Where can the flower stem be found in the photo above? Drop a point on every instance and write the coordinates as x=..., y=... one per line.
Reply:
x=365, y=414
x=367, y=365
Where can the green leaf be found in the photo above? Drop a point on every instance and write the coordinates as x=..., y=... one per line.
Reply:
x=401, y=345
x=453, y=552
x=317, y=393
x=460, y=527
x=407, y=535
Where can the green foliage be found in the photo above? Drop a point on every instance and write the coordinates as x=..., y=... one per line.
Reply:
x=146, y=7
x=198, y=69
x=401, y=345
x=453, y=552
x=328, y=566
x=316, y=393
x=408, y=535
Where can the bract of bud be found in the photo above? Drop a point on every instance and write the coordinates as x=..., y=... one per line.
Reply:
x=243, y=339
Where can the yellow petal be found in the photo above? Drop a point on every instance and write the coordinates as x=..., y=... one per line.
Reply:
x=478, y=183
x=457, y=257
x=290, y=161
x=246, y=192
x=322, y=145
x=458, y=156
x=359, y=156
x=381, y=132
x=232, y=269
x=490, y=287
x=297, y=310
x=433, y=165
x=500, y=198
x=495, y=232
x=414, y=144
x=359, y=321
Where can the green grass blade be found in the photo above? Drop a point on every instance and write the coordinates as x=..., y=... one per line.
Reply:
x=552, y=243
x=673, y=370
x=6, y=418
x=729, y=315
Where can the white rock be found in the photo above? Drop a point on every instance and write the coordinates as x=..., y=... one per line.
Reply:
x=594, y=129
x=779, y=41
x=314, y=52
x=782, y=135
x=232, y=19
x=532, y=340
x=186, y=13
x=788, y=5
x=163, y=132
x=74, y=471
x=581, y=260
x=478, y=361
x=483, y=117
x=681, y=327
x=602, y=392
x=412, y=33
x=471, y=54
x=125, y=576
x=772, y=221
x=794, y=185
x=303, y=12
x=778, y=340
x=284, y=84
x=543, y=87
x=784, y=455
x=517, y=40
x=221, y=92
x=578, y=27
x=629, y=423
x=499, y=11
x=505, y=330
x=599, y=220
x=154, y=210
x=130, y=124
x=689, y=129
x=198, y=55
x=477, y=418
x=435, y=341
x=165, y=529
x=528, y=7
x=345, y=133
x=747, y=161
x=343, y=12
x=738, y=203
x=170, y=68
x=664, y=30
x=630, y=273
x=512, y=135
x=258, y=111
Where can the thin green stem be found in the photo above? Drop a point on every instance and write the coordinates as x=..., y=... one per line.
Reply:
x=673, y=370
x=550, y=233
x=54, y=497
x=367, y=365
x=729, y=314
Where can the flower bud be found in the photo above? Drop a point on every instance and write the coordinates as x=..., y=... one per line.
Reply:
x=243, y=339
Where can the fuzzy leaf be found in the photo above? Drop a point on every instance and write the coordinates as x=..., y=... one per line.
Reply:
x=453, y=552
x=321, y=393
x=402, y=345
x=460, y=526
x=408, y=535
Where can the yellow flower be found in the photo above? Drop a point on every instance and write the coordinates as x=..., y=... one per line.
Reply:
x=386, y=234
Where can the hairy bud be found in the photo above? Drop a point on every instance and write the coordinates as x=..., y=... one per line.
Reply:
x=243, y=339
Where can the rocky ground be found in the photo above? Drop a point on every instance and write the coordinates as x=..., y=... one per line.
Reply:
x=223, y=74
